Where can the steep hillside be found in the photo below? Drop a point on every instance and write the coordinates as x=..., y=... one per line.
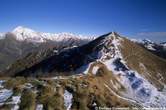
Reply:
x=66, y=61
x=11, y=49
x=149, y=65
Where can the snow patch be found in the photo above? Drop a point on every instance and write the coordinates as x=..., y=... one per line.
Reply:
x=5, y=94
x=1, y=83
x=16, y=100
x=95, y=69
x=39, y=107
x=68, y=99
x=150, y=47
x=28, y=85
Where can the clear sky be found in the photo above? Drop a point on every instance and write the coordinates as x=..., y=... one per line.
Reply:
x=138, y=18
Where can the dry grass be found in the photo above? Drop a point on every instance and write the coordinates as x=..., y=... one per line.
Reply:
x=15, y=82
x=51, y=98
x=28, y=100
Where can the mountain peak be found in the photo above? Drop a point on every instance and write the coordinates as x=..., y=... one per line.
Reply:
x=18, y=28
x=113, y=35
x=21, y=29
x=23, y=33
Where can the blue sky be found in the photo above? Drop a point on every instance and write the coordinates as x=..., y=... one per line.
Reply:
x=133, y=18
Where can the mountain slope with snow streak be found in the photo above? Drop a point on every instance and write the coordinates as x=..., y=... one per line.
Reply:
x=137, y=87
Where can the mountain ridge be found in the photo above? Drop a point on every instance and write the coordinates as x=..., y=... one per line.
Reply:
x=133, y=72
x=110, y=64
x=26, y=34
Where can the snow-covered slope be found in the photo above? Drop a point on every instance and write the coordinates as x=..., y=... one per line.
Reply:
x=30, y=35
x=137, y=87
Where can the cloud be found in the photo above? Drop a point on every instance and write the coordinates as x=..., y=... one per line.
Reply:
x=154, y=36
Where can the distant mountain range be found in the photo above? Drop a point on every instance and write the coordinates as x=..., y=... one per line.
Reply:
x=21, y=41
x=25, y=34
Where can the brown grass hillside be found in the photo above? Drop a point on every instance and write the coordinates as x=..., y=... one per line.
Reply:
x=147, y=64
x=85, y=90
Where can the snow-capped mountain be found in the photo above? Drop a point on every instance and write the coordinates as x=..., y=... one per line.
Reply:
x=26, y=34
x=158, y=49
x=148, y=44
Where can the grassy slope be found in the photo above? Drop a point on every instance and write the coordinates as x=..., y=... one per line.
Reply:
x=135, y=56
x=84, y=89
